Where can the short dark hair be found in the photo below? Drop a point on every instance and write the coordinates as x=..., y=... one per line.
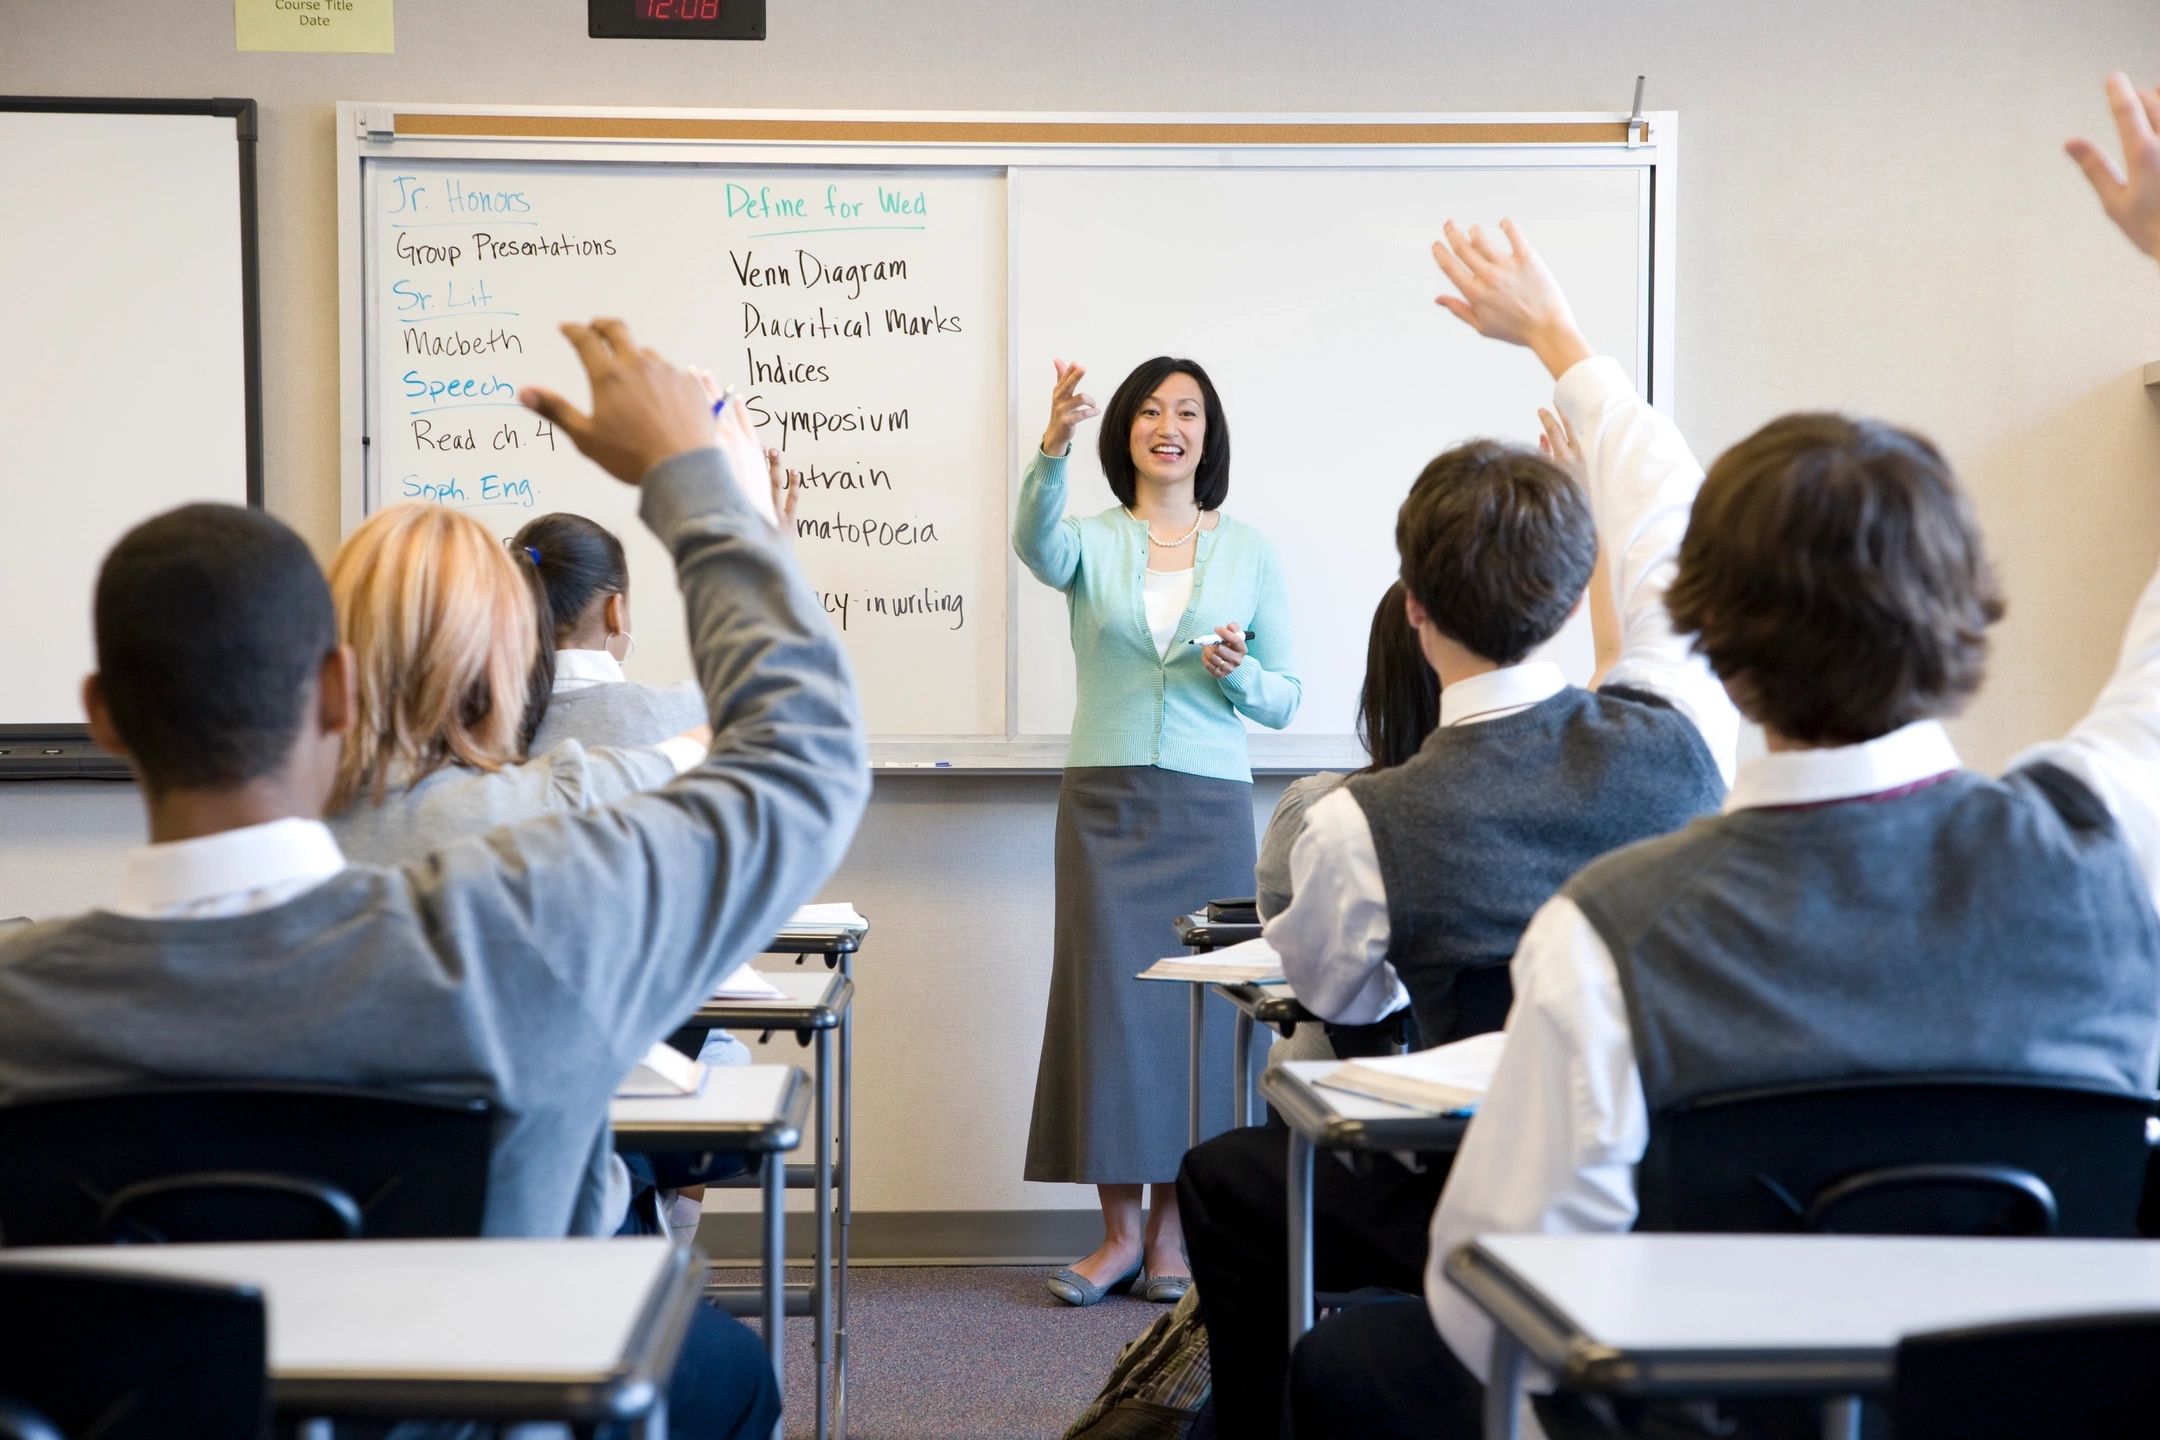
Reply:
x=1834, y=571
x=1497, y=544
x=1400, y=704
x=1211, y=480
x=212, y=624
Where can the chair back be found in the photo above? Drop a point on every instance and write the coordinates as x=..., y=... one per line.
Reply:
x=241, y=1161
x=2090, y=1375
x=129, y=1357
x=1900, y=1155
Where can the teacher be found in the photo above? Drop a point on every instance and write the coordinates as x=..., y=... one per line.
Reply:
x=1155, y=812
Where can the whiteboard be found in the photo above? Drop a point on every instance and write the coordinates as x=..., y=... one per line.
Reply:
x=1297, y=271
x=1308, y=297
x=865, y=336
x=126, y=269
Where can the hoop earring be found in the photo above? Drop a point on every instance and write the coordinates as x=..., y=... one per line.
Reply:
x=629, y=646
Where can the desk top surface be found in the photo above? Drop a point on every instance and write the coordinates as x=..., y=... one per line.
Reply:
x=823, y=993
x=526, y=1311
x=1780, y=1294
x=1340, y=1120
x=746, y=1096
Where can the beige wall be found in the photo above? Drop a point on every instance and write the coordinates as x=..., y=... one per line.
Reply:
x=1874, y=215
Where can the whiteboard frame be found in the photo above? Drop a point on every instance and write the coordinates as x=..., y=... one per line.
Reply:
x=367, y=131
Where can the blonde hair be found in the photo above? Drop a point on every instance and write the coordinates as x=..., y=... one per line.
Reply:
x=445, y=633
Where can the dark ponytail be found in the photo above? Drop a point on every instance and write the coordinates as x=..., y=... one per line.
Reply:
x=1400, y=705
x=578, y=562
x=571, y=562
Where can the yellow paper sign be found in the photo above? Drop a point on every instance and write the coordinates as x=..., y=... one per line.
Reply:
x=360, y=26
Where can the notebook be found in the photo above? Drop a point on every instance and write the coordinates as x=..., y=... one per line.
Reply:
x=838, y=916
x=1252, y=963
x=663, y=1072
x=1445, y=1080
x=745, y=983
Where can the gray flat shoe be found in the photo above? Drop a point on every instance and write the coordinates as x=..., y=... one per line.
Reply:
x=1070, y=1286
x=1167, y=1289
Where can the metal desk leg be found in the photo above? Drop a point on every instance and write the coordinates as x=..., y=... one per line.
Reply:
x=1841, y=1418
x=1192, y=1068
x=1241, y=1070
x=846, y=1124
x=821, y=1283
x=1503, y=1388
x=775, y=1279
x=1300, y=1211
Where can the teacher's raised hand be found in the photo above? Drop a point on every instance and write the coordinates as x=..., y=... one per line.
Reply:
x=1068, y=407
x=1508, y=294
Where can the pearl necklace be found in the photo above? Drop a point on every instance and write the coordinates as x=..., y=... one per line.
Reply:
x=1167, y=544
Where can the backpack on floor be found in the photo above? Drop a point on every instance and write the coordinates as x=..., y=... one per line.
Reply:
x=1159, y=1384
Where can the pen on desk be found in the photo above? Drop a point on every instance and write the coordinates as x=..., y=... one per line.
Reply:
x=721, y=403
x=1216, y=639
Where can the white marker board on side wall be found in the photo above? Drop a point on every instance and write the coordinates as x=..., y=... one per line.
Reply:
x=887, y=292
x=127, y=268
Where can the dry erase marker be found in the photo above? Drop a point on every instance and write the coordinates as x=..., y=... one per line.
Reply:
x=721, y=403
x=1216, y=639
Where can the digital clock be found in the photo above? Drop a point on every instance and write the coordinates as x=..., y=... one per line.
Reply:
x=675, y=19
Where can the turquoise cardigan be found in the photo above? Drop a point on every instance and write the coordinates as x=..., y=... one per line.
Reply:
x=1134, y=707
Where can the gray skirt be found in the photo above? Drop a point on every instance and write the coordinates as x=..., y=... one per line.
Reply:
x=1136, y=848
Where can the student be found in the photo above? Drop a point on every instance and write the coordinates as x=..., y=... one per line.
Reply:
x=1864, y=906
x=531, y=966
x=442, y=628
x=586, y=581
x=1415, y=882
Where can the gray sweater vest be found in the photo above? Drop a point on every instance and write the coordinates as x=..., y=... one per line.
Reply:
x=1981, y=925
x=1488, y=820
x=623, y=715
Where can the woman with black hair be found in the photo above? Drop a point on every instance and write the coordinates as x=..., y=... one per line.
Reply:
x=1155, y=812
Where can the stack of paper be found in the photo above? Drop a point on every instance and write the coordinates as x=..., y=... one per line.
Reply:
x=665, y=1071
x=745, y=983
x=1252, y=963
x=1447, y=1080
x=825, y=920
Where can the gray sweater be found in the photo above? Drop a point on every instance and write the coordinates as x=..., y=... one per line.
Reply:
x=1271, y=874
x=455, y=802
x=532, y=965
x=622, y=713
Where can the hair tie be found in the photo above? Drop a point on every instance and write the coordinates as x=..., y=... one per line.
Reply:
x=532, y=553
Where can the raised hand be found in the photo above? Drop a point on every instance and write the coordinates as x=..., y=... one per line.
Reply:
x=1509, y=295
x=1068, y=407
x=1558, y=444
x=2132, y=201
x=786, y=494
x=645, y=410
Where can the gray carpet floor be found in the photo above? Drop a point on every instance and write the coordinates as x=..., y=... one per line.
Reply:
x=961, y=1353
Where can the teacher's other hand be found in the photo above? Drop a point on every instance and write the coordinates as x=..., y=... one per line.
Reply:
x=1509, y=295
x=1068, y=407
x=2132, y=201
x=1227, y=653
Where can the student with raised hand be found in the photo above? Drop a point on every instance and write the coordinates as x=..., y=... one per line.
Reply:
x=531, y=966
x=1415, y=883
x=1865, y=905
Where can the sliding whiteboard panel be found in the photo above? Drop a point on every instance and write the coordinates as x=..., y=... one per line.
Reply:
x=887, y=292
x=1307, y=295
x=860, y=315
x=124, y=281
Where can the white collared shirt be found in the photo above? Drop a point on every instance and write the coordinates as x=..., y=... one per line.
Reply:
x=234, y=872
x=581, y=669
x=1333, y=936
x=1558, y=1136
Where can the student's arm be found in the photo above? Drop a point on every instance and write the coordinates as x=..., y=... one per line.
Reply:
x=1640, y=474
x=1261, y=687
x=1557, y=441
x=639, y=910
x=1333, y=938
x=1046, y=542
x=1554, y=1145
